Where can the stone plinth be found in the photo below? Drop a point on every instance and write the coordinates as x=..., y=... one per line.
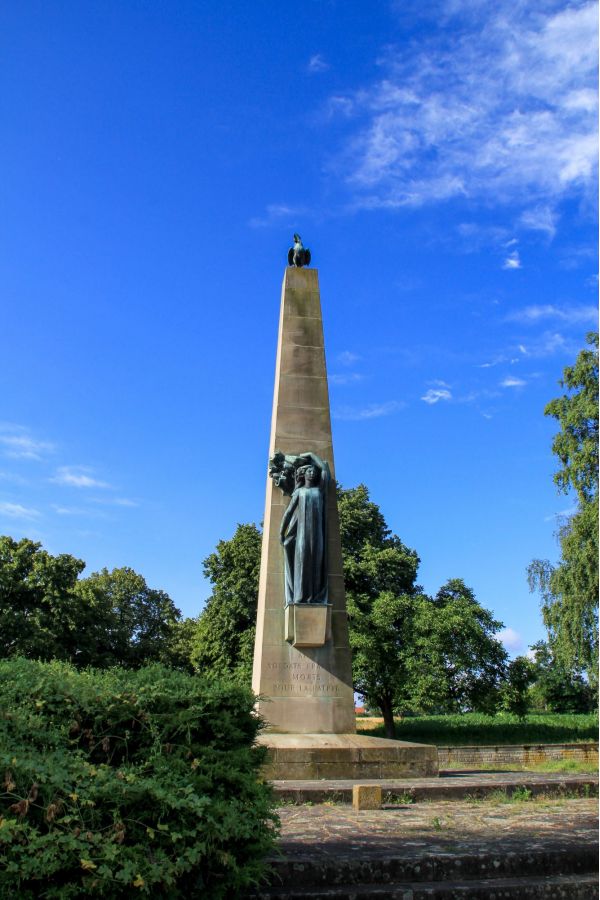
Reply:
x=302, y=666
x=345, y=756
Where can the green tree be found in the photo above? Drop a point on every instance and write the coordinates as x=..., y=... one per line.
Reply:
x=39, y=609
x=569, y=590
x=128, y=623
x=381, y=596
x=411, y=652
x=223, y=642
x=515, y=695
x=457, y=663
x=555, y=688
x=178, y=650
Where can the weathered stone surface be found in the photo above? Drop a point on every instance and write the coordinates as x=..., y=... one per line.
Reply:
x=303, y=689
x=447, y=787
x=446, y=851
x=517, y=754
x=343, y=756
x=306, y=625
x=366, y=796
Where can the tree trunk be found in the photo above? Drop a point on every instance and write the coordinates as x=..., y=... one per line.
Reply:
x=388, y=717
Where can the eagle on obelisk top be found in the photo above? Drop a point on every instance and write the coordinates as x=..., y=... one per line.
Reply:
x=298, y=255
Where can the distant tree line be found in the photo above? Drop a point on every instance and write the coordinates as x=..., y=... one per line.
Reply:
x=411, y=652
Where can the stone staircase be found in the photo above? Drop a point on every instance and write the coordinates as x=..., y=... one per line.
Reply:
x=465, y=836
x=452, y=876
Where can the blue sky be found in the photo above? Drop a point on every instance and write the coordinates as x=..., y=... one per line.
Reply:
x=439, y=160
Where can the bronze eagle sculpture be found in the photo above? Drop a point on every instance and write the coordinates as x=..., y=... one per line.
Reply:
x=298, y=255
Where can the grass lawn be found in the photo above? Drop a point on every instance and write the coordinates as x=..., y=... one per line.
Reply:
x=482, y=730
x=561, y=766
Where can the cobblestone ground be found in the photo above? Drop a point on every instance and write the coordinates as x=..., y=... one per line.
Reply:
x=330, y=830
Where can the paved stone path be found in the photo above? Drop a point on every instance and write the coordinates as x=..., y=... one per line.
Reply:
x=330, y=831
x=540, y=849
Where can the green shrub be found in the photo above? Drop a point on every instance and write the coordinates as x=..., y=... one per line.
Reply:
x=122, y=781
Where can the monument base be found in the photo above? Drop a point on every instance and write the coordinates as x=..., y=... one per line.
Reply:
x=303, y=757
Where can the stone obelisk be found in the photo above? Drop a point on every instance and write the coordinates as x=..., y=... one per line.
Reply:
x=302, y=664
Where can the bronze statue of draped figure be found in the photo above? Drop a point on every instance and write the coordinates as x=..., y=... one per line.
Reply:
x=303, y=529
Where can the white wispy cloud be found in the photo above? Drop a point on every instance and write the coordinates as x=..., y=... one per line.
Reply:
x=345, y=378
x=347, y=358
x=372, y=411
x=78, y=477
x=574, y=315
x=316, y=64
x=512, y=382
x=13, y=478
x=277, y=214
x=512, y=261
x=540, y=218
x=17, y=443
x=17, y=511
x=115, y=501
x=550, y=343
x=68, y=510
x=512, y=640
x=502, y=108
x=434, y=395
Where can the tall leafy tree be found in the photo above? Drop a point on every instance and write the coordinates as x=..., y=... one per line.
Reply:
x=40, y=613
x=555, y=688
x=515, y=694
x=110, y=618
x=456, y=662
x=128, y=623
x=223, y=642
x=381, y=596
x=569, y=590
x=410, y=651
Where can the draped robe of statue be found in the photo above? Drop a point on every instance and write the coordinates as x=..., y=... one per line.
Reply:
x=304, y=537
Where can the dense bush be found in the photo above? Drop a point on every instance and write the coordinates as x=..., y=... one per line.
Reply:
x=122, y=781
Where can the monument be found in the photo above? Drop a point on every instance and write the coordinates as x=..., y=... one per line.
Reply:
x=302, y=662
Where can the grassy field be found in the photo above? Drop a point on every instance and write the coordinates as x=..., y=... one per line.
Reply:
x=482, y=730
x=560, y=766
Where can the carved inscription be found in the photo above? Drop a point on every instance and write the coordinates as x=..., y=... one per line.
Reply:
x=301, y=678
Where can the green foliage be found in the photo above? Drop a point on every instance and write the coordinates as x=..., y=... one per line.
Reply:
x=223, y=642
x=40, y=614
x=456, y=661
x=570, y=590
x=480, y=729
x=178, y=650
x=576, y=444
x=411, y=652
x=515, y=694
x=123, y=781
x=129, y=623
x=110, y=618
x=557, y=689
x=381, y=597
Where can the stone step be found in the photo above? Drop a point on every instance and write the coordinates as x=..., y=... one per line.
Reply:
x=448, y=786
x=363, y=869
x=536, y=887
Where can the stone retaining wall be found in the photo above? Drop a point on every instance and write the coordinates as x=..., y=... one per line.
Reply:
x=514, y=754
